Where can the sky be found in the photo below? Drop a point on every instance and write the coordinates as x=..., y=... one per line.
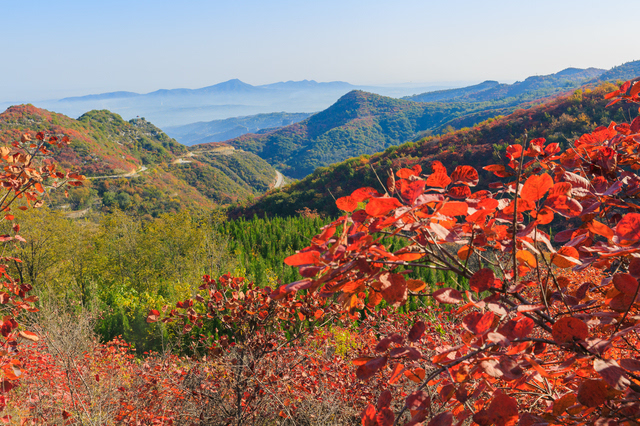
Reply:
x=52, y=49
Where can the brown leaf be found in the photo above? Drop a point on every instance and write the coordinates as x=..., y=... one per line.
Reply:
x=448, y=295
x=611, y=372
x=592, y=393
x=482, y=280
x=367, y=370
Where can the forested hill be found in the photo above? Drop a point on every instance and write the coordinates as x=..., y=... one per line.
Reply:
x=133, y=166
x=533, y=87
x=560, y=120
x=358, y=123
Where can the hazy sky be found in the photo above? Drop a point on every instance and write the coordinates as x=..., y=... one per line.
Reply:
x=62, y=48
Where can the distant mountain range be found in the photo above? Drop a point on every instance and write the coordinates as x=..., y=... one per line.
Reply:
x=221, y=130
x=233, y=98
x=364, y=123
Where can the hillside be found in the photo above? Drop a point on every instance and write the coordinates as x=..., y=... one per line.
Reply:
x=221, y=130
x=560, y=120
x=358, y=123
x=531, y=88
x=132, y=165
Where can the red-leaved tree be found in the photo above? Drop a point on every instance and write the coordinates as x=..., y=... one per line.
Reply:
x=543, y=329
x=28, y=173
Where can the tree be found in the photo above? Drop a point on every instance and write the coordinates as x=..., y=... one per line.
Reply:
x=547, y=330
x=28, y=174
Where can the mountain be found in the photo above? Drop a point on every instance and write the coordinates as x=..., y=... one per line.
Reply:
x=531, y=88
x=358, y=123
x=233, y=98
x=133, y=165
x=623, y=72
x=445, y=95
x=364, y=123
x=560, y=120
x=221, y=130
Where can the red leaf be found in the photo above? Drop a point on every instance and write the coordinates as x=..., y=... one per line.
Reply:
x=478, y=323
x=563, y=205
x=369, y=416
x=381, y=206
x=363, y=194
x=304, y=258
x=523, y=328
x=393, y=289
x=626, y=284
x=417, y=331
x=498, y=170
x=385, y=399
x=459, y=192
x=482, y=280
x=385, y=417
x=628, y=229
x=536, y=187
x=153, y=316
x=465, y=175
x=611, y=373
x=448, y=295
x=566, y=329
x=592, y=393
x=418, y=400
x=367, y=370
x=442, y=419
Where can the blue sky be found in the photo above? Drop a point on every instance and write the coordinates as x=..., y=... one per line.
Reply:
x=62, y=48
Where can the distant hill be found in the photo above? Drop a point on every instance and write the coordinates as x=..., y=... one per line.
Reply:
x=358, y=123
x=531, y=88
x=133, y=165
x=559, y=120
x=623, y=72
x=221, y=130
x=364, y=123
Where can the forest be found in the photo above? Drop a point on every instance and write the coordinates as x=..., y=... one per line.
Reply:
x=501, y=292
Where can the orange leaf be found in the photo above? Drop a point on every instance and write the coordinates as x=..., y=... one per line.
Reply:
x=536, y=187
x=454, y=208
x=464, y=252
x=601, y=229
x=563, y=205
x=396, y=374
x=416, y=285
x=347, y=203
x=566, y=257
x=523, y=256
x=416, y=375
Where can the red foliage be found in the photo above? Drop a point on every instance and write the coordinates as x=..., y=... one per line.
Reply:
x=535, y=334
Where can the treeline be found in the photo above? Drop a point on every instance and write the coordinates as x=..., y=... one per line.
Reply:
x=117, y=267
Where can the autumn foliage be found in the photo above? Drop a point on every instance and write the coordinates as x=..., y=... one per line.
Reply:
x=549, y=257
x=27, y=175
x=541, y=327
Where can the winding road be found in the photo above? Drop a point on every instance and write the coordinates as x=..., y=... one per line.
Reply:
x=279, y=180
